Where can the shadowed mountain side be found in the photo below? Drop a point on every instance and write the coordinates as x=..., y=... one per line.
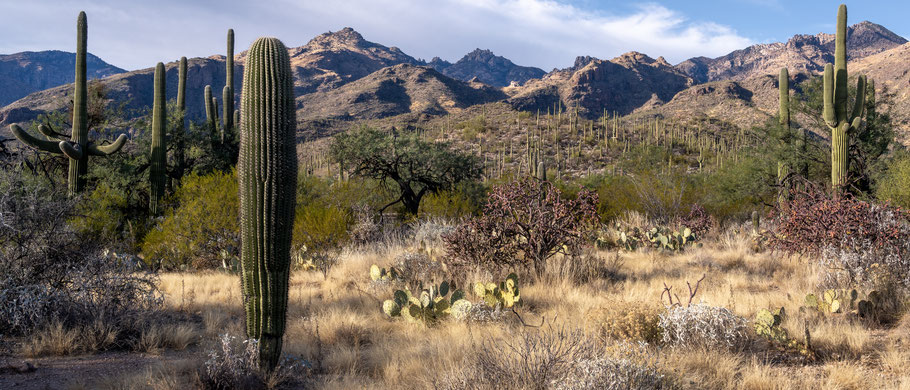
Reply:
x=30, y=71
x=393, y=91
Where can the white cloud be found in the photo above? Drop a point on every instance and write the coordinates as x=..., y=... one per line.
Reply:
x=542, y=33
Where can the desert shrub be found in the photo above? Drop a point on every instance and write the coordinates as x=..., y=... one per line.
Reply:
x=101, y=215
x=849, y=235
x=524, y=223
x=704, y=326
x=460, y=202
x=320, y=231
x=531, y=360
x=236, y=366
x=202, y=232
x=625, y=366
x=631, y=321
x=894, y=184
x=586, y=266
x=49, y=273
x=417, y=268
x=430, y=232
x=698, y=220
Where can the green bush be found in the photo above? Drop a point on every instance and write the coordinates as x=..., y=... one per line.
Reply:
x=894, y=185
x=320, y=231
x=203, y=231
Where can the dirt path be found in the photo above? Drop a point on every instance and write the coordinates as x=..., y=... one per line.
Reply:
x=78, y=372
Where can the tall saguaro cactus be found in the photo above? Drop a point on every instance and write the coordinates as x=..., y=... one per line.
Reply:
x=839, y=119
x=78, y=148
x=267, y=172
x=782, y=169
x=180, y=129
x=158, y=158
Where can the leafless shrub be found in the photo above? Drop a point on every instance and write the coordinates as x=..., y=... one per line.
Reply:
x=703, y=325
x=625, y=366
x=531, y=360
x=49, y=273
x=236, y=366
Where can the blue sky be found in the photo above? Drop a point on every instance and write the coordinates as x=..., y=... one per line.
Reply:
x=544, y=33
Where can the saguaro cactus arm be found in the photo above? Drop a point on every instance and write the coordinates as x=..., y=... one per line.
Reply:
x=71, y=150
x=108, y=149
x=35, y=142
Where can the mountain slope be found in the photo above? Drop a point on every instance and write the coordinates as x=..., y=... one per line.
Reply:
x=30, y=71
x=487, y=68
x=623, y=84
x=392, y=91
x=801, y=53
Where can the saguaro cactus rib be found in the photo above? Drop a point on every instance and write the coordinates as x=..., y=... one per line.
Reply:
x=266, y=168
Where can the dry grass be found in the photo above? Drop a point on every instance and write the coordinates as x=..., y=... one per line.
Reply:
x=336, y=323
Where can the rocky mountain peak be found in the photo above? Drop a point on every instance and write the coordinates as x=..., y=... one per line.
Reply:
x=346, y=37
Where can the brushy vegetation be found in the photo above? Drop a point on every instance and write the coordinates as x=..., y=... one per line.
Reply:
x=484, y=274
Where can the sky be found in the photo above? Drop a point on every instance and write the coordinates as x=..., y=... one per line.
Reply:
x=543, y=33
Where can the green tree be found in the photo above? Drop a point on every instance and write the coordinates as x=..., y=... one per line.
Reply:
x=416, y=166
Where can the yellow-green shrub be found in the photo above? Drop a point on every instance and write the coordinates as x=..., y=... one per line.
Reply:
x=203, y=230
x=894, y=185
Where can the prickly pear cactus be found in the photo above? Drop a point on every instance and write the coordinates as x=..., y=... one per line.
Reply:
x=503, y=295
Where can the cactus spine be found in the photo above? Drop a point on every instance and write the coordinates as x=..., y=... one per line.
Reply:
x=837, y=117
x=158, y=158
x=77, y=148
x=266, y=172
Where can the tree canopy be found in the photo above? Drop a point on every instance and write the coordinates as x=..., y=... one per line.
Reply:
x=418, y=167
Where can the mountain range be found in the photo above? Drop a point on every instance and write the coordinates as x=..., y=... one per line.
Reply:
x=340, y=78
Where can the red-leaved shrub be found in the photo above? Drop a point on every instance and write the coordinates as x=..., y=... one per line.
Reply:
x=524, y=223
x=850, y=236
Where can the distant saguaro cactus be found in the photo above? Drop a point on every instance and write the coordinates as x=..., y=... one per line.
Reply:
x=158, y=157
x=78, y=147
x=841, y=121
x=227, y=99
x=267, y=172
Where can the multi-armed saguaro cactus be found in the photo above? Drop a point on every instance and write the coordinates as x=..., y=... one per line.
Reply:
x=158, y=157
x=227, y=96
x=837, y=117
x=267, y=171
x=78, y=147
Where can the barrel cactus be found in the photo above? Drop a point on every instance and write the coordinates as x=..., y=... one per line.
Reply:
x=78, y=148
x=839, y=119
x=158, y=158
x=267, y=172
